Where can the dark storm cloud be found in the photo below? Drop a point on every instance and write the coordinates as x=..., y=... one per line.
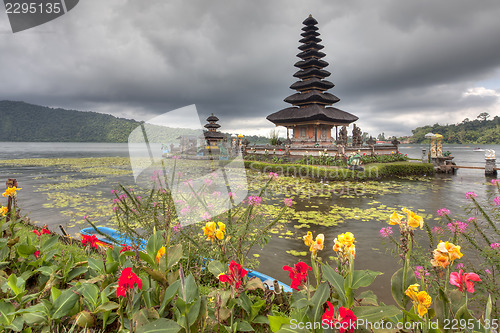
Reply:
x=396, y=64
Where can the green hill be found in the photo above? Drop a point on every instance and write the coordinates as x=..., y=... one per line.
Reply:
x=476, y=131
x=21, y=121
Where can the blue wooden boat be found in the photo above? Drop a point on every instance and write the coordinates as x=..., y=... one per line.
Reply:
x=114, y=237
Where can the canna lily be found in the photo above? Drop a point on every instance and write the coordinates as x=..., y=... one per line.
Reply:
x=440, y=259
x=159, y=254
x=125, y=248
x=345, y=320
x=90, y=240
x=211, y=231
x=395, y=219
x=234, y=276
x=414, y=220
x=127, y=280
x=317, y=244
x=37, y=254
x=11, y=191
x=298, y=274
x=452, y=250
x=464, y=281
x=344, y=244
x=308, y=239
x=3, y=211
x=421, y=300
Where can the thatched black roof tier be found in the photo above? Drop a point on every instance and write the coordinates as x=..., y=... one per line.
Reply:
x=310, y=39
x=312, y=62
x=214, y=135
x=314, y=96
x=310, y=33
x=310, y=28
x=312, y=72
x=311, y=113
x=312, y=46
x=212, y=118
x=313, y=83
x=212, y=126
x=310, y=21
x=311, y=53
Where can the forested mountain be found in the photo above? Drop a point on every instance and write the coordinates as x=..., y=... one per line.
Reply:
x=21, y=121
x=480, y=130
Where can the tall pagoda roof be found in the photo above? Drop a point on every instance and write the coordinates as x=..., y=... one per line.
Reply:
x=311, y=102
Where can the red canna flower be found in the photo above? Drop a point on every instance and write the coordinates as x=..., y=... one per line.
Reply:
x=37, y=254
x=125, y=248
x=90, y=240
x=127, y=280
x=235, y=276
x=345, y=321
x=36, y=232
x=45, y=230
x=298, y=274
x=464, y=281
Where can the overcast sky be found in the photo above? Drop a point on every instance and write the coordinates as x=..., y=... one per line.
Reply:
x=396, y=64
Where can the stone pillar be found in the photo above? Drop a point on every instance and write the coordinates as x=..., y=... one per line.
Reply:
x=425, y=158
x=489, y=169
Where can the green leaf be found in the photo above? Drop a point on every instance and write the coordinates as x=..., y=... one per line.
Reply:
x=244, y=326
x=363, y=278
x=76, y=272
x=256, y=306
x=64, y=303
x=160, y=326
x=97, y=265
x=148, y=259
x=54, y=294
x=155, y=243
x=337, y=281
x=368, y=298
x=375, y=313
x=191, y=289
x=260, y=320
x=13, y=284
x=397, y=286
x=107, y=306
x=25, y=250
x=487, y=311
x=194, y=310
x=463, y=313
x=171, y=291
x=46, y=270
x=36, y=314
x=319, y=298
x=5, y=309
x=49, y=243
x=91, y=294
x=85, y=319
x=112, y=267
x=245, y=303
x=174, y=255
x=217, y=268
x=275, y=322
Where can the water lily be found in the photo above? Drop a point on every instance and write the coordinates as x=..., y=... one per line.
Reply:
x=464, y=280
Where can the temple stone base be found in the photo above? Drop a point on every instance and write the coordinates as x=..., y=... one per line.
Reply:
x=489, y=169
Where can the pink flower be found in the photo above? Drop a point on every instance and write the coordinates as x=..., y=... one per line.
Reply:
x=175, y=157
x=497, y=201
x=470, y=195
x=495, y=181
x=464, y=281
x=457, y=226
x=471, y=219
x=208, y=182
x=460, y=266
x=114, y=191
x=288, y=202
x=386, y=232
x=487, y=271
x=206, y=216
x=254, y=201
x=437, y=230
x=495, y=246
x=231, y=195
x=273, y=175
x=216, y=194
x=443, y=211
x=420, y=271
x=176, y=228
x=185, y=210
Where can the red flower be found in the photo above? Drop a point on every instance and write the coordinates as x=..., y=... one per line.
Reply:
x=298, y=274
x=125, y=248
x=36, y=232
x=345, y=321
x=127, y=280
x=45, y=230
x=234, y=276
x=464, y=280
x=37, y=254
x=90, y=240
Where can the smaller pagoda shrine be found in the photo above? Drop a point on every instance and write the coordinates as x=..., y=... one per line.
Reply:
x=212, y=136
x=311, y=117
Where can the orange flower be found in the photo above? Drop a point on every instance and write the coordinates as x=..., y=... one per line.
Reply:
x=308, y=239
x=395, y=219
x=11, y=191
x=451, y=249
x=344, y=244
x=421, y=300
x=3, y=211
x=317, y=244
x=160, y=253
x=440, y=259
x=414, y=220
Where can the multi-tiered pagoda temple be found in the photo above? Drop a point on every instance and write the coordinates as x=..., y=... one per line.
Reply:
x=212, y=136
x=311, y=117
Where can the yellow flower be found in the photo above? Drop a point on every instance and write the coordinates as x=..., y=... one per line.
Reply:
x=160, y=253
x=395, y=219
x=424, y=301
x=451, y=249
x=344, y=244
x=11, y=191
x=3, y=211
x=414, y=220
x=439, y=259
x=421, y=300
x=308, y=239
x=209, y=230
x=222, y=227
x=412, y=291
x=317, y=244
x=219, y=234
x=347, y=239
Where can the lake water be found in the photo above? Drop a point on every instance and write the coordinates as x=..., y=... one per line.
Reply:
x=361, y=209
